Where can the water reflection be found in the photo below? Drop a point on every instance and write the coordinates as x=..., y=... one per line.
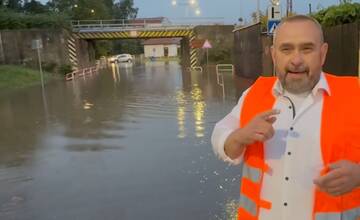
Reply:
x=181, y=113
x=87, y=105
x=131, y=142
x=199, y=110
x=115, y=73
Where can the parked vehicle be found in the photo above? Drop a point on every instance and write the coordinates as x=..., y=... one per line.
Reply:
x=121, y=58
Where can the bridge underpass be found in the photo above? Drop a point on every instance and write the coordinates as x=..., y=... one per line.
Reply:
x=122, y=29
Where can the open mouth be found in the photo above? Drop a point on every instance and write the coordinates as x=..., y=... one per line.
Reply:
x=297, y=72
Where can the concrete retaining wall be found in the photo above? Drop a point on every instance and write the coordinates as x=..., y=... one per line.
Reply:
x=221, y=38
x=16, y=48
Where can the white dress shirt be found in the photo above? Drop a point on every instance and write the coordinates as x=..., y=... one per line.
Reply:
x=293, y=153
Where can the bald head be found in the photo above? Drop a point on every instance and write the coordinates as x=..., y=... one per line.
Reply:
x=300, y=18
x=298, y=53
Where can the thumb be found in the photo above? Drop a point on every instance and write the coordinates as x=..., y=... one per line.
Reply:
x=271, y=120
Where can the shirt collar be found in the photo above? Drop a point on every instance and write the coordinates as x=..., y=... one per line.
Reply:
x=321, y=85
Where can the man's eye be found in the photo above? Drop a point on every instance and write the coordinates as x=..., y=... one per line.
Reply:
x=285, y=49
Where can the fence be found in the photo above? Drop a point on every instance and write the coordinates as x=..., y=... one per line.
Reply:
x=82, y=72
x=220, y=70
x=343, y=54
x=253, y=57
x=248, y=51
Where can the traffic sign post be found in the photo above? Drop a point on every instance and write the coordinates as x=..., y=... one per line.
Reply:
x=274, y=12
x=37, y=45
x=207, y=46
x=271, y=26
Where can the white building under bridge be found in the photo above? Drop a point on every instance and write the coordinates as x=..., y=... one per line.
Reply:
x=161, y=47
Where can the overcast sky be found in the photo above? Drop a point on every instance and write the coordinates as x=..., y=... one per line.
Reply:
x=230, y=10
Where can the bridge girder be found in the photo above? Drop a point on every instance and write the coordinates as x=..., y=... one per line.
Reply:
x=134, y=34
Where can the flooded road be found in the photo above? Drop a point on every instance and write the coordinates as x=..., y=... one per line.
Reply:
x=131, y=142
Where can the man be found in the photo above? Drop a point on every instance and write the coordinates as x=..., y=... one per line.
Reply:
x=298, y=134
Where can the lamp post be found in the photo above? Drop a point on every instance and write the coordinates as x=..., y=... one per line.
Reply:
x=258, y=11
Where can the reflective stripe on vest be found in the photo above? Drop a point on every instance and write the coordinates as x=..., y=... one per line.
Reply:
x=251, y=173
x=352, y=214
x=247, y=204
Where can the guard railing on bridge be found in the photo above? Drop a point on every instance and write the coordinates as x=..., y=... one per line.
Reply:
x=147, y=24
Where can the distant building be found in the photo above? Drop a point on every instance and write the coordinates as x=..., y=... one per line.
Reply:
x=161, y=47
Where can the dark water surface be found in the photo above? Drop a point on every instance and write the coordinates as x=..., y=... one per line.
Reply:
x=132, y=142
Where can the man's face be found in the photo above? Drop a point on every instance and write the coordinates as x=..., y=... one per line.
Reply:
x=298, y=54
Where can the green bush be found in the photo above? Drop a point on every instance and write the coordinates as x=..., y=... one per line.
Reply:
x=338, y=14
x=64, y=69
x=49, y=66
x=219, y=55
x=15, y=20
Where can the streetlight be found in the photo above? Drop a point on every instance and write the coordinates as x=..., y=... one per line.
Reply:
x=92, y=11
x=197, y=12
x=192, y=4
x=275, y=2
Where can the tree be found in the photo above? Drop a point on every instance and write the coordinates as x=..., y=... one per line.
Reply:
x=124, y=9
x=15, y=5
x=338, y=14
x=263, y=20
x=345, y=1
x=34, y=7
x=82, y=9
x=91, y=9
x=64, y=6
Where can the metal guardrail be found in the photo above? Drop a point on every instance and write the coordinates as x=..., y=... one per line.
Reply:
x=224, y=68
x=196, y=69
x=141, y=24
x=220, y=70
x=82, y=72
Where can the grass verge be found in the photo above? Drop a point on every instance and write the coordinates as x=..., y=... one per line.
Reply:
x=16, y=77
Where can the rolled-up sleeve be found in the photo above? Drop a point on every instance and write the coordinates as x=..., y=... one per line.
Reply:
x=224, y=128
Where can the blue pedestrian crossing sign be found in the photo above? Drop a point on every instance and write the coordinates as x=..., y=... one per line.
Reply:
x=272, y=24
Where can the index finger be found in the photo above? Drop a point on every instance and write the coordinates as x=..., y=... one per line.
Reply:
x=330, y=176
x=267, y=114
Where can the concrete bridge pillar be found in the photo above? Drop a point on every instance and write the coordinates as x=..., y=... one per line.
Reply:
x=185, y=51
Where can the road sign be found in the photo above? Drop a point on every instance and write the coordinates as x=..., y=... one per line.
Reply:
x=272, y=24
x=36, y=44
x=274, y=12
x=207, y=45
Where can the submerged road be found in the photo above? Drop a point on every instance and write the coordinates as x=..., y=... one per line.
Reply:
x=131, y=142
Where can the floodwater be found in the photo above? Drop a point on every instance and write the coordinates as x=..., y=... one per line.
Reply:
x=131, y=142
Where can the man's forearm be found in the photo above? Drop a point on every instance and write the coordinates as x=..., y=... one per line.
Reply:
x=234, y=145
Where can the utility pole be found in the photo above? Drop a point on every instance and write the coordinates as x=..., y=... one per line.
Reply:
x=289, y=8
x=258, y=11
x=2, y=55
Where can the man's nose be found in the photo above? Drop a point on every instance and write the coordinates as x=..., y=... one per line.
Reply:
x=297, y=59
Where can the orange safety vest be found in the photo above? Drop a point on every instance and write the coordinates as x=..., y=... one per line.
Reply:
x=339, y=140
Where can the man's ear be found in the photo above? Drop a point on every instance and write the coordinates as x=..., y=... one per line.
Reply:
x=323, y=51
x=272, y=50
